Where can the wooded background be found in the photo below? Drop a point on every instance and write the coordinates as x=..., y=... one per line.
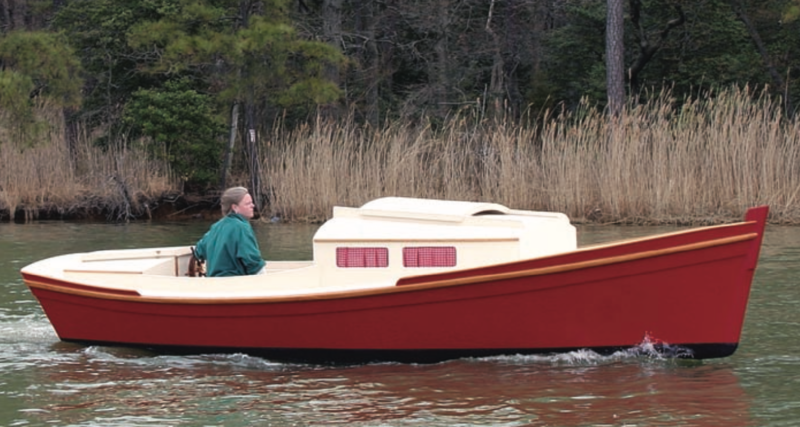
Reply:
x=194, y=82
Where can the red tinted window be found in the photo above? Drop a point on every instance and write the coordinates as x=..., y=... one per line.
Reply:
x=362, y=257
x=429, y=256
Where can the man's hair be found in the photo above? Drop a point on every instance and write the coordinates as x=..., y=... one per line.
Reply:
x=232, y=196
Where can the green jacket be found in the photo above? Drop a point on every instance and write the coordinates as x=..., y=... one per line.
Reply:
x=230, y=248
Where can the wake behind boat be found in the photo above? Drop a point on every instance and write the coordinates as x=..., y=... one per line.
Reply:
x=419, y=280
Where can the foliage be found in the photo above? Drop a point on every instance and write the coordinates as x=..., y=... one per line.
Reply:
x=270, y=52
x=575, y=59
x=257, y=56
x=36, y=65
x=99, y=29
x=16, y=112
x=413, y=61
x=712, y=49
x=137, y=51
x=15, y=90
x=48, y=60
x=180, y=126
x=779, y=29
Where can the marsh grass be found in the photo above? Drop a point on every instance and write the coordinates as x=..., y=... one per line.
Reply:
x=667, y=161
x=41, y=178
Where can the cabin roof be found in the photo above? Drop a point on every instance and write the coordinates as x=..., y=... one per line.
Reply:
x=399, y=218
x=427, y=209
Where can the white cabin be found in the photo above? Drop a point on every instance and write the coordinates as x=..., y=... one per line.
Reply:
x=395, y=237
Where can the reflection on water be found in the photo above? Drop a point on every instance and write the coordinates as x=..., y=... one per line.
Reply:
x=97, y=385
x=46, y=382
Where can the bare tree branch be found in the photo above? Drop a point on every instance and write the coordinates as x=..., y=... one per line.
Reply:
x=648, y=49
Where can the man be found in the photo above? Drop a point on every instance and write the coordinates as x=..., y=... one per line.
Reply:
x=230, y=247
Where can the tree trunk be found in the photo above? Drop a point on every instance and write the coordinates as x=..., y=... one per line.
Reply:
x=5, y=17
x=497, y=82
x=439, y=78
x=14, y=14
x=253, y=158
x=648, y=49
x=615, y=60
x=226, y=162
x=71, y=133
x=372, y=63
x=332, y=32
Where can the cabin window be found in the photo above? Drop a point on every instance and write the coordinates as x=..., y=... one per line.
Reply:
x=362, y=257
x=429, y=256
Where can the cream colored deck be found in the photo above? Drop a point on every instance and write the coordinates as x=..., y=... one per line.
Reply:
x=155, y=277
x=482, y=233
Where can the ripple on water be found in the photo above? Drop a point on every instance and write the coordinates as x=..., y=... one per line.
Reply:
x=96, y=385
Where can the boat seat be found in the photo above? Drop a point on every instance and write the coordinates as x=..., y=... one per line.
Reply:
x=154, y=266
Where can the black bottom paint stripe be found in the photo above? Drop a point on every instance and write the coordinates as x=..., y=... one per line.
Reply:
x=345, y=357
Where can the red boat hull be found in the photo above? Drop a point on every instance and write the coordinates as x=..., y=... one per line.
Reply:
x=688, y=290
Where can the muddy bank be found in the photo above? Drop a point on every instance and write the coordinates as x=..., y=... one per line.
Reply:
x=167, y=207
x=187, y=207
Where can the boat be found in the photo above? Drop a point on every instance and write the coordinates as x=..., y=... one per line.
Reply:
x=420, y=281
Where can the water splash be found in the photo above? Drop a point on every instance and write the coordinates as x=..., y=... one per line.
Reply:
x=657, y=349
x=650, y=348
x=124, y=356
x=32, y=327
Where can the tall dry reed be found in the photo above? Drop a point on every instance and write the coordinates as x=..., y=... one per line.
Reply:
x=694, y=161
x=45, y=176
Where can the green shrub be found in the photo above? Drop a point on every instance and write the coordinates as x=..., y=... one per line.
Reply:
x=179, y=125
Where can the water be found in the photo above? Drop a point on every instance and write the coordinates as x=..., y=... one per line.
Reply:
x=45, y=382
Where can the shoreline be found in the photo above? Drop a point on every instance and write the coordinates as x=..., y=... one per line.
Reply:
x=168, y=207
x=205, y=207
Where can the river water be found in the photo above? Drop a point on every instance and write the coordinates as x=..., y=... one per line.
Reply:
x=44, y=382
